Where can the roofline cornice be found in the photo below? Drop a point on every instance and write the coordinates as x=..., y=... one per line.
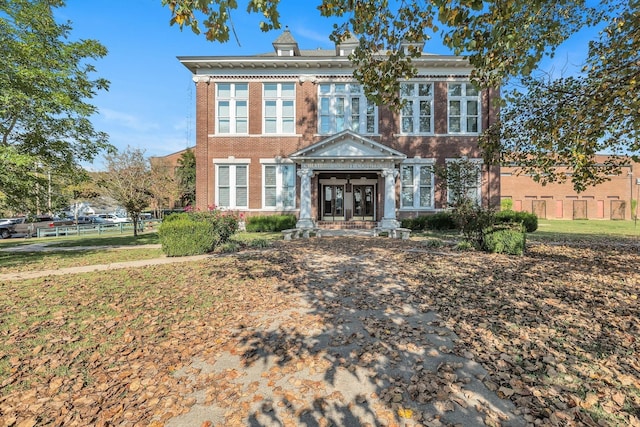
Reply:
x=200, y=64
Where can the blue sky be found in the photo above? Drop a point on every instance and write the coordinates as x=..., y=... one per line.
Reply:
x=150, y=103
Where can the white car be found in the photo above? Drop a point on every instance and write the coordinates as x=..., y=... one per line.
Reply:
x=113, y=218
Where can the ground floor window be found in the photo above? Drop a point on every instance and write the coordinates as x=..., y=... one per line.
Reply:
x=416, y=180
x=279, y=189
x=231, y=186
x=464, y=178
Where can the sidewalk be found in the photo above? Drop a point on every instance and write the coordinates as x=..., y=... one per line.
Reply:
x=89, y=268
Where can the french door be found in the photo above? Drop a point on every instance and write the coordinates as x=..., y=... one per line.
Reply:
x=363, y=197
x=333, y=203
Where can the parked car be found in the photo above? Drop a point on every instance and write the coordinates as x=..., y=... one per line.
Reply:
x=113, y=218
x=92, y=219
x=6, y=227
x=29, y=226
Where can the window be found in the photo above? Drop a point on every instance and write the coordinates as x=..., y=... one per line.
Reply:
x=279, y=186
x=464, y=108
x=416, y=115
x=416, y=182
x=279, y=108
x=231, y=108
x=343, y=106
x=231, y=186
x=463, y=180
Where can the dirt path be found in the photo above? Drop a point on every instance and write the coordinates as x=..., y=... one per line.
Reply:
x=355, y=349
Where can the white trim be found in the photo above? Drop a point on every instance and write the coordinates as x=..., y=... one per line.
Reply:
x=463, y=98
x=279, y=185
x=231, y=160
x=418, y=163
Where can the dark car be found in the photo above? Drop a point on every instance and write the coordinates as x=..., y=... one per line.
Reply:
x=93, y=219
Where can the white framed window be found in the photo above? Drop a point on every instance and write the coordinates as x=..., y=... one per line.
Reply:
x=464, y=180
x=416, y=181
x=279, y=185
x=279, y=108
x=416, y=115
x=343, y=106
x=232, y=108
x=232, y=189
x=463, y=108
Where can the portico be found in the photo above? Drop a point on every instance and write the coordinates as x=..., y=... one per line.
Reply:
x=352, y=177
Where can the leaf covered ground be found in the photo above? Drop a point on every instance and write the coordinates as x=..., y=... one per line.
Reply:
x=555, y=329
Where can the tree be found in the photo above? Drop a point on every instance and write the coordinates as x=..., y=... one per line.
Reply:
x=504, y=41
x=186, y=174
x=552, y=128
x=164, y=185
x=127, y=180
x=45, y=83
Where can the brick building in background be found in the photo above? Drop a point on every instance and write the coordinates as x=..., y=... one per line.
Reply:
x=291, y=131
x=609, y=200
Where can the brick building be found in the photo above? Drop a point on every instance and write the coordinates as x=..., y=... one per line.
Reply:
x=168, y=165
x=290, y=131
x=609, y=200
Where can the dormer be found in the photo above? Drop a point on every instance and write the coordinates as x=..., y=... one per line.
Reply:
x=347, y=46
x=286, y=45
x=407, y=46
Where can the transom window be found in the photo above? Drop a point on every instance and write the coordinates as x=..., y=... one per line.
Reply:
x=279, y=108
x=279, y=186
x=231, y=186
x=464, y=108
x=344, y=106
x=416, y=115
x=231, y=107
x=416, y=186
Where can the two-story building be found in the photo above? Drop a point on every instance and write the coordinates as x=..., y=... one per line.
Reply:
x=291, y=131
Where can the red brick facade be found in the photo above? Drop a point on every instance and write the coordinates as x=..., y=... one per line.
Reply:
x=609, y=200
x=308, y=71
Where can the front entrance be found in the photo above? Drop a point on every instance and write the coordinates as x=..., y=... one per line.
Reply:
x=333, y=203
x=363, y=202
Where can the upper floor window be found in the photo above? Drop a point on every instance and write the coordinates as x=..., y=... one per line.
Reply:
x=416, y=182
x=416, y=115
x=344, y=106
x=232, y=186
x=279, y=108
x=279, y=189
x=464, y=108
x=232, y=107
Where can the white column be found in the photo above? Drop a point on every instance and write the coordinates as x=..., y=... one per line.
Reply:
x=389, y=217
x=305, y=220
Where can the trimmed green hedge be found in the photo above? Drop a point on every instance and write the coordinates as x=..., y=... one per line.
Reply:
x=436, y=221
x=195, y=233
x=264, y=223
x=183, y=237
x=529, y=220
x=507, y=239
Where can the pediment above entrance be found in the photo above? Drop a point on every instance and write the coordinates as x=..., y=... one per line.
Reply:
x=347, y=146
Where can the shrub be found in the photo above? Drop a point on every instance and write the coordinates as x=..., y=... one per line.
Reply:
x=440, y=221
x=505, y=239
x=464, y=245
x=506, y=204
x=183, y=237
x=192, y=233
x=529, y=220
x=263, y=223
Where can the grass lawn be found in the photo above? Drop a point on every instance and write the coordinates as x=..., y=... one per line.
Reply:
x=586, y=230
x=556, y=328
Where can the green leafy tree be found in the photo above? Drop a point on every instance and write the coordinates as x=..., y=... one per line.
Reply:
x=186, y=174
x=128, y=180
x=504, y=41
x=45, y=83
x=551, y=128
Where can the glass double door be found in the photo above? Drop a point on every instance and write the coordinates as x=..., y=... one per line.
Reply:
x=358, y=203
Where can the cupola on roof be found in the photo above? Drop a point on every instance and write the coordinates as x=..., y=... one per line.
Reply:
x=286, y=45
